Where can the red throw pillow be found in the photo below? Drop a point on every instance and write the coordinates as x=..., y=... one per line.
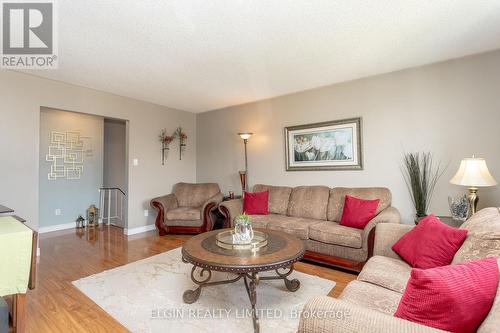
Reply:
x=358, y=212
x=430, y=244
x=454, y=298
x=256, y=203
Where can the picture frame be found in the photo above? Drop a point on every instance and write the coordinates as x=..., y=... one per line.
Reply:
x=329, y=145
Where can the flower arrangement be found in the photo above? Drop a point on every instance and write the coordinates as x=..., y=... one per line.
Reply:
x=244, y=218
x=243, y=232
x=164, y=138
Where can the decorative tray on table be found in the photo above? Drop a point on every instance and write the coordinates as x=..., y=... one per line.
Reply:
x=228, y=240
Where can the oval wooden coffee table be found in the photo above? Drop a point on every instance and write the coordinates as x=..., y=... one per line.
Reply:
x=281, y=252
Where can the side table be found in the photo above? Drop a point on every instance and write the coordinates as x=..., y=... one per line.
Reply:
x=448, y=220
x=218, y=217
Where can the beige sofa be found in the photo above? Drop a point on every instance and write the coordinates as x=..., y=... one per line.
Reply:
x=187, y=209
x=368, y=303
x=312, y=213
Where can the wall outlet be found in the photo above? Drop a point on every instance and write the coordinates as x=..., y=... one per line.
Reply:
x=146, y=212
x=57, y=211
x=135, y=161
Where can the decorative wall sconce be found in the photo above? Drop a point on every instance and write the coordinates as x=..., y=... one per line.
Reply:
x=244, y=174
x=165, y=140
x=182, y=140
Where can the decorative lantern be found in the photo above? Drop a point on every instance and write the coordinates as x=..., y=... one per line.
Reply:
x=80, y=222
x=92, y=216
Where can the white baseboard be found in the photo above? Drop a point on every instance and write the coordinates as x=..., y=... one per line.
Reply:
x=57, y=227
x=139, y=230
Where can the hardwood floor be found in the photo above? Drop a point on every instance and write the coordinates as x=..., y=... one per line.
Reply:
x=56, y=306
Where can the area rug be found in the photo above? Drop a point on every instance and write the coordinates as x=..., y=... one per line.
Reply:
x=146, y=296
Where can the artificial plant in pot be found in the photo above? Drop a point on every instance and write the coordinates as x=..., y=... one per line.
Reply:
x=421, y=175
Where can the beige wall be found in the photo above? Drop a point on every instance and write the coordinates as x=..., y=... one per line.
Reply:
x=21, y=97
x=451, y=109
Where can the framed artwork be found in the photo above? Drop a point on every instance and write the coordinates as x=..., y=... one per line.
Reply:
x=331, y=145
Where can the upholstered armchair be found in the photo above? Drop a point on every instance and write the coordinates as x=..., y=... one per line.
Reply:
x=187, y=209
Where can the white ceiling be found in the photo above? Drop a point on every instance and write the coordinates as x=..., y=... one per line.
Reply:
x=208, y=54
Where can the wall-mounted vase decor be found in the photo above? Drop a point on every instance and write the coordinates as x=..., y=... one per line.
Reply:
x=331, y=145
x=65, y=152
x=165, y=140
x=182, y=140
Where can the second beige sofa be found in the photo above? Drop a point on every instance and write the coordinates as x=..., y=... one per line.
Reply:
x=368, y=303
x=313, y=213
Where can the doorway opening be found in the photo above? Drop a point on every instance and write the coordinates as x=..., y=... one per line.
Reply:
x=113, y=193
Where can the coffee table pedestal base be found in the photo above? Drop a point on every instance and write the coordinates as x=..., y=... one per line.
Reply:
x=251, y=280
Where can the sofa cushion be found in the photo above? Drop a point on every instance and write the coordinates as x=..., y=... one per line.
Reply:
x=340, y=251
x=334, y=233
x=337, y=197
x=184, y=223
x=261, y=221
x=296, y=226
x=467, y=289
x=386, y=272
x=194, y=195
x=256, y=203
x=309, y=202
x=278, y=197
x=184, y=214
x=430, y=244
x=371, y=296
x=357, y=213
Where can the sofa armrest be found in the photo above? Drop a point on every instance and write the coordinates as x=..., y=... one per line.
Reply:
x=386, y=236
x=388, y=215
x=166, y=202
x=216, y=199
x=207, y=208
x=230, y=209
x=163, y=205
x=330, y=315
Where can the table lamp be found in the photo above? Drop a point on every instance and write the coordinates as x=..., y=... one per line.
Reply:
x=243, y=174
x=473, y=173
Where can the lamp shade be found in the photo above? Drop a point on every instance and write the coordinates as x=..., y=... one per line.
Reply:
x=473, y=172
x=245, y=136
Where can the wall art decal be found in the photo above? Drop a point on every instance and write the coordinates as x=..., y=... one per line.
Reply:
x=66, y=153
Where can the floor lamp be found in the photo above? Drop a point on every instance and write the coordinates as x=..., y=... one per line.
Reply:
x=244, y=174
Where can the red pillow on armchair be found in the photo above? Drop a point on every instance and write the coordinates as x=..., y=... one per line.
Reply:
x=357, y=213
x=256, y=203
